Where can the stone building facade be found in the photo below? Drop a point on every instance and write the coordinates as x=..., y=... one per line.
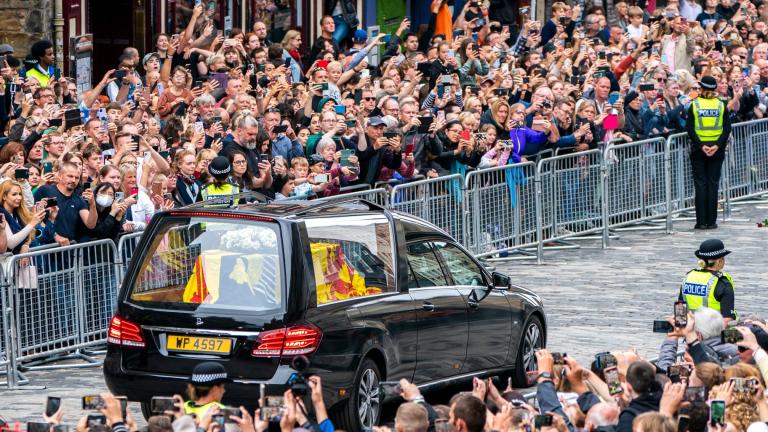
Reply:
x=23, y=22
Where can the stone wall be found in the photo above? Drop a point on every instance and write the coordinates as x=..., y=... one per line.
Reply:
x=23, y=22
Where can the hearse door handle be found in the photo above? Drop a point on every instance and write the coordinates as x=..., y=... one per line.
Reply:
x=473, y=304
x=427, y=306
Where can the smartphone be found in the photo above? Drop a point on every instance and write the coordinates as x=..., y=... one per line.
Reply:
x=351, y=123
x=51, y=202
x=681, y=314
x=717, y=412
x=60, y=428
x=272, y=407
x=389, y=135
x=612, y=379
x=409, y=148
x=55, y=122
x=441, y=115
x=542, y=420
x=613, y=97
x=119, y=196
x=92, y=402
x=324, y=87
x=682, y=423
x=745, y=385
x=605, y=360
x=440, y=91
x=119, y=74
x=391, y=389
x=464, y=135
x=322, y=178
x=646, y=87
x=695, y=394
x=38, y=427
x=21, y=173
x=345, y=154
x=199, y=127
x=679, y=373
x=340, y=109
x=601, y=55
x=661, y=326
x=559, y=358
x=134, y=191
x=426, y=122
x=218, y=418
x=278, y=129
x=52, y=405
x=161, y=404
x=228, y=412
x=731, y=336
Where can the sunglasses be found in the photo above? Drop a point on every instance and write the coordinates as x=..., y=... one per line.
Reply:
x=369, y=98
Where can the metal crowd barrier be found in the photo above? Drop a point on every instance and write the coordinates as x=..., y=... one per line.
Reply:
x=437, y=200
x=496, y=212
x=500, y=210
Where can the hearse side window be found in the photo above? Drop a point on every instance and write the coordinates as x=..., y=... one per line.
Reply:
x=463, y=270
x=425, y=268
x=195, y=264
x=351, y=257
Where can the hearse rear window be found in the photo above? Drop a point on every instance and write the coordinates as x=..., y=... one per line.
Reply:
x=351, y=257
x=201, y=263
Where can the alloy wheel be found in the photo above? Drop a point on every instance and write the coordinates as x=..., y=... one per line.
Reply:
x=368, y=398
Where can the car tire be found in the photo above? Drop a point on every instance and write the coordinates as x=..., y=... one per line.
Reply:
x=145, y=410
x=531, y=339
x=365, y=397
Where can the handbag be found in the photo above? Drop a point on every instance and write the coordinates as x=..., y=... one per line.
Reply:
x=26, y=277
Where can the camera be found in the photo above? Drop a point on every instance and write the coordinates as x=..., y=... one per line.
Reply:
x=298, y=380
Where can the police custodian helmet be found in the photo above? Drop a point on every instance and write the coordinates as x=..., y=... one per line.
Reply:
x=712, y=249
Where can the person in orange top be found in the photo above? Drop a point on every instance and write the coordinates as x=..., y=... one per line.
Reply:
x=177, y=92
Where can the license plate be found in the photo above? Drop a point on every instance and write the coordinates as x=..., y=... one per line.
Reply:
x=199, y=344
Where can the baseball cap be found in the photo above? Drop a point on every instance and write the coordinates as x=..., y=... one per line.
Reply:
x=148, y=56
x=6, y=49
x=376, y=121
x=360, y=36
x=315, y=159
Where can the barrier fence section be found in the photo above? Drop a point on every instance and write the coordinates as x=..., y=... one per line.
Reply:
x=437, y=200
x=636, y=182
x=569, y=196
x=58, y=301
x=500, y=209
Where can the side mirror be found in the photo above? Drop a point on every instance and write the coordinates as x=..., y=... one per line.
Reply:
x=500, y=280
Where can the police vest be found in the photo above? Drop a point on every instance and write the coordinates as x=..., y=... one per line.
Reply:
x=218, y=193
x=699, y=289
x=42, y=77
x=199, y=411
x=708, y=118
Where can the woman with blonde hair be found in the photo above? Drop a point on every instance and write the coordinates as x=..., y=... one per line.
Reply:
x=653, y=422
x=291, y=44
x=20, y=223
x=497, y=115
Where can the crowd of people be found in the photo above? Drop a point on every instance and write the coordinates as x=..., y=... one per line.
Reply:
x=205, y=115
x=714, y=385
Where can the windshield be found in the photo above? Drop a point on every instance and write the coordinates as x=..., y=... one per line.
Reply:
x=201, y=264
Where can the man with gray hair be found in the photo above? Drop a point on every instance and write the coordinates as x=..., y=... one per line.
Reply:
x=702, y=337
x=602, y=414
x=244, y=140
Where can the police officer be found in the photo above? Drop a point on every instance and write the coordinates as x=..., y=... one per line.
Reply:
x=205, y=388
x=220, y=187
x=708, y=126
x=708, y=285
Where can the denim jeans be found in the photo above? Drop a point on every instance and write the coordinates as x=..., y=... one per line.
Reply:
x=342, y=29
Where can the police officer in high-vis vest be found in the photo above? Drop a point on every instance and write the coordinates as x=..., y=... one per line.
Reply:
x=220, y=188
x=708, y=125
x=709, y=285
x=205, y=388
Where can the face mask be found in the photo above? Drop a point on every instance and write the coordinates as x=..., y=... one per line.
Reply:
x=104, y=200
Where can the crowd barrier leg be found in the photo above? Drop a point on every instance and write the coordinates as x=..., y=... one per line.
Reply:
x=668, y=185
x=605, y=238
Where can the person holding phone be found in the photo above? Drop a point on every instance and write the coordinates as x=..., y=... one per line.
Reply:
x=707, y=285
x=291, y=45
x=111, y=213
x=21, y=222
x=140, y=206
